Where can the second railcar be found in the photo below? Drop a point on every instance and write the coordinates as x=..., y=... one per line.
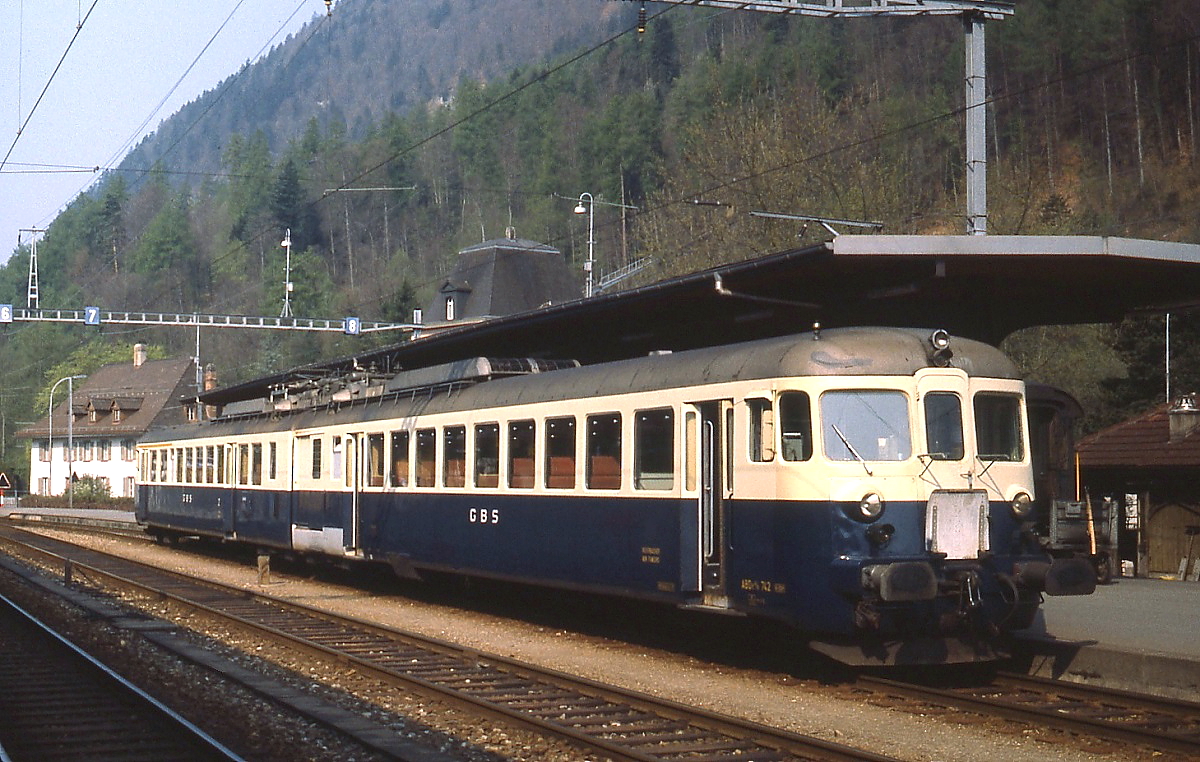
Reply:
x=871, y=486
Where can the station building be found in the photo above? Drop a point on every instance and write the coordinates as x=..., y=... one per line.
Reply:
x=105, y=415
x=1150, y=465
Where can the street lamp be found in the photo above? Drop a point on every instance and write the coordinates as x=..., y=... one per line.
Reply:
x=70, y=434
x=590, y=210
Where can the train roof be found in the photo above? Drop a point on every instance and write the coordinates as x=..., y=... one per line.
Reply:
x=844, y=352
x=980, y=287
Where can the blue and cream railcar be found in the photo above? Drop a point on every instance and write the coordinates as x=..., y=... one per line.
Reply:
x=869, y=485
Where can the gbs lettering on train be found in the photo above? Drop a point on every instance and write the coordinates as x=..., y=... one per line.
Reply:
x=484, y=515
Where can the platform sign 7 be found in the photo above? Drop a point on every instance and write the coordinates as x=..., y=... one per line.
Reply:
x=91, y=316
x=6, y=314
x=352, y=326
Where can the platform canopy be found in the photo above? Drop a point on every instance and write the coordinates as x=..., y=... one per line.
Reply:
x=981, y=287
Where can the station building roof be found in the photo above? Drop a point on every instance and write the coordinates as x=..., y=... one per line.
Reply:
x=979, y=287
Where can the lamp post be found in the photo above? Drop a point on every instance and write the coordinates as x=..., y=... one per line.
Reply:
x=70, y=433
x=589, y=266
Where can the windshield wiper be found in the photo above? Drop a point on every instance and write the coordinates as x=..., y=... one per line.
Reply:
x=850, y=447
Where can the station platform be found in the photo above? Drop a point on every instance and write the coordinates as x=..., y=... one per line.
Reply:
x=1140, y=635
x=1136, y=634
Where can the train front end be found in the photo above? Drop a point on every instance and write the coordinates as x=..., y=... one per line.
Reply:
x=933, y=557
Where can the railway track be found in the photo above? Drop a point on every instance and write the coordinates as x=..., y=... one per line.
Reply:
x=1160, y=724
x=606, y=720
x=58, y=703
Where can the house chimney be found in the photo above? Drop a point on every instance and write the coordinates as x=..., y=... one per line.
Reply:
x=210, y=377
x=139, y=355
x=1184, y=417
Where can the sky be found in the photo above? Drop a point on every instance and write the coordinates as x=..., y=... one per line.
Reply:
x=110, y=86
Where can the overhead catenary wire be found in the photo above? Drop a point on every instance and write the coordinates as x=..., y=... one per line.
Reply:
x=53, y=74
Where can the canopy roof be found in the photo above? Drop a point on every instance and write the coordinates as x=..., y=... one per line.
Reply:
x=980, y=287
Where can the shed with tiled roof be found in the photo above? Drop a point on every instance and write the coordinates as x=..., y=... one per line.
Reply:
x=1151, y=463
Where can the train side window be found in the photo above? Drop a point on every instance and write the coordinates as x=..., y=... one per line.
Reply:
x=335, y=461
x=795, y=424
x=273, y=461
x=691, y=439
x=221, y=479
x=865, y=425
x=487, y=455
x=316, y=457
x=426, y=457
x=943, y=426
x=560, y=453
x=256, y=464
x=654, y=449
x=399, y=472
x=762, y=430
x=604, y=451
x=375, y=465
x=454, y=456
x=522, y=449
x=243, y=464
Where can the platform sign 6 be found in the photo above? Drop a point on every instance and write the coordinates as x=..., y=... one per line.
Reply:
x=6, y=315
x=352, y=326
x=91, y=316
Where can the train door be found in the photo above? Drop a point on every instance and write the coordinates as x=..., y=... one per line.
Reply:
x=954, y=479
x=355, y=443
x=712, y=462
x=943, y=399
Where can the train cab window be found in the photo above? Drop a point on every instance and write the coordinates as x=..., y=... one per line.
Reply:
x=604, y=451
x=943, y=426
x=426, y=460
x=399, y=472
x=560, y=453
x=865, y=425
x=795, y=426
x=522, y=449
x=375, y=465
x=762, y=430
x=316, y=457
x=487, y=455
x=998, y=427
x=654, y=449
x=454, y=456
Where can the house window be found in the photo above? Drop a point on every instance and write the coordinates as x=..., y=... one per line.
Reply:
x=104, y=448
x=193, y=413
x=44, y=485
x=93, y=415
x=127, y=449
x=449, y=308
x=116, y=415
x=44, y=452
x=130, y=487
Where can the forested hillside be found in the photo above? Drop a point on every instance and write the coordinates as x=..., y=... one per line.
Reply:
x=1092, y=131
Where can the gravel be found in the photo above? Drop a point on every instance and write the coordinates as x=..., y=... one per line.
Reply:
x=736, y=682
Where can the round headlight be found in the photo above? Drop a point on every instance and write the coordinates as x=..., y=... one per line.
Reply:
x=1022, y=505
x=870, y=507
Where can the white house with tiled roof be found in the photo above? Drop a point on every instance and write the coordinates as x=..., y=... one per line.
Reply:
x=107, y=413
